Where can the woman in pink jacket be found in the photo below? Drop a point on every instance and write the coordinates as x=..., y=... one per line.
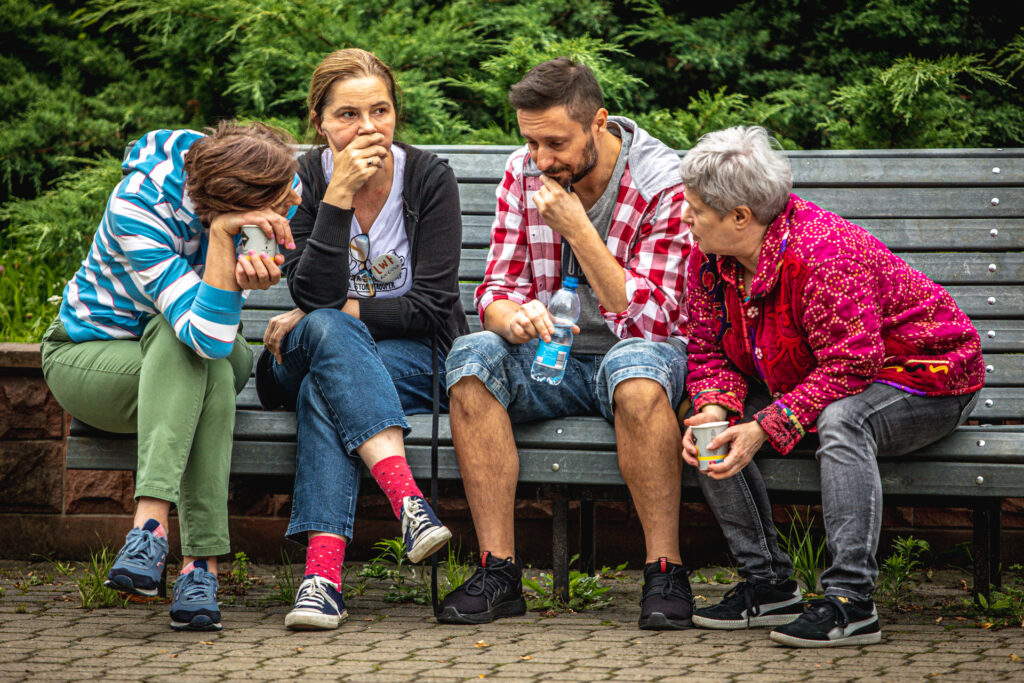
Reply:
x=802, y=321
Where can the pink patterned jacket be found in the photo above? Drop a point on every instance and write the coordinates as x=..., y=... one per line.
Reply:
x=830, y=311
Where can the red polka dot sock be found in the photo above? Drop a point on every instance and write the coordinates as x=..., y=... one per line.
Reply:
x=395, y=479
x=324, y=557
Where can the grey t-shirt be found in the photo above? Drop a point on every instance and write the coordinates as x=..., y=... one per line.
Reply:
x=594, y=336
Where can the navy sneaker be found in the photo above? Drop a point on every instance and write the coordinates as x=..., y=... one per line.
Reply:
x=195, y=600
x=140, y=563
x=750, y=605
x=318, y=606
x=423, y=532
x=832, y=621
x=667, y=601
x=495, y=590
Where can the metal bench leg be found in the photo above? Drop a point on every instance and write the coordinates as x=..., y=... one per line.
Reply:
x=588, y=538
x=987, y=558
x=560, y=547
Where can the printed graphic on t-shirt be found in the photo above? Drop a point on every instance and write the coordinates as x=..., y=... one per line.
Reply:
x=372, y=277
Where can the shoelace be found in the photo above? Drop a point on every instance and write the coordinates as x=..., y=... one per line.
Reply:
x=669, y=585
x=418, y=517
x=314, y=595
x=828, y=606
x=486, y=580
x=747, y=592
x=141, y=548
x=198, y=586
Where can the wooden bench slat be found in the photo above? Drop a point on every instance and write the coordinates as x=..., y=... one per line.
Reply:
x=852, y=203
x=868, y=171
x=942, y=267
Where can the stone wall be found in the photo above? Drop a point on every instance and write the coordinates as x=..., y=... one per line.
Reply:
x=49, y=511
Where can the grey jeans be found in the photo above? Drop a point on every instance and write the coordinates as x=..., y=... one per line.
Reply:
x=851, y=433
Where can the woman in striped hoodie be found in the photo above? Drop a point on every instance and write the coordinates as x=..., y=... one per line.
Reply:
x=147, y=337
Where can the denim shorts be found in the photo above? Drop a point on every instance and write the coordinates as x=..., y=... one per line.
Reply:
x=589, y=383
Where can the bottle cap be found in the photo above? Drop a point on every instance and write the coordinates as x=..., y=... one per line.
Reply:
x=570, y=282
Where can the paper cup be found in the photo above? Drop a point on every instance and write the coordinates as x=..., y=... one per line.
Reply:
x=254, y=240
x=702, y=436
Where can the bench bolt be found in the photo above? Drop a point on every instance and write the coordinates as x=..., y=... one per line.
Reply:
x=992, y=267
x=988, y=403
x=991, y=301
x=995, y=201
x=993, y=232
x=555, y=467
x=989, y=368
x=559, y=430
x=981, y=442
x=991, y=334
x=996, y=170
x=979, y=480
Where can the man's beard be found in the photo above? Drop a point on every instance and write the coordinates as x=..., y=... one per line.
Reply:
x=579, y=172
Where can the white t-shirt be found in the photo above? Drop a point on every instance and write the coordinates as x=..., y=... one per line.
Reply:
x=387, y=235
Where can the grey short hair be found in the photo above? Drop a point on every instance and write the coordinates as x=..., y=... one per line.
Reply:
x=739, y=166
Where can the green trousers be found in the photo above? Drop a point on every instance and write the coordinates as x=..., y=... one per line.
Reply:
x=182, y=407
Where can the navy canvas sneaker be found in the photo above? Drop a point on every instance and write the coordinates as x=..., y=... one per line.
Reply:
x=832, y=621
x=495, y=590
x=748, y=605
x=422, y=530
x=195, y=600
x=140, y=563
x=667, y=601
x=318, y=606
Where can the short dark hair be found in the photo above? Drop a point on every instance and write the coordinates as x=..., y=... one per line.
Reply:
x=559, y=82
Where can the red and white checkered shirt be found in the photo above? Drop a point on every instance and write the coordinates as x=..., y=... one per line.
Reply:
x=648, y=238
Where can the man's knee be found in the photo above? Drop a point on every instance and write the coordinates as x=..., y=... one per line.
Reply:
x=638, y=374
x=638, y=397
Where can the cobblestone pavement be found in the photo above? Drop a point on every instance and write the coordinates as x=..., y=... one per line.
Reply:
x=46, y=635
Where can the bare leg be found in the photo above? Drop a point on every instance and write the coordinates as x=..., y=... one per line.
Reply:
x=486, y=451
x=650, y=459
x=153, y=508
x=383, y=444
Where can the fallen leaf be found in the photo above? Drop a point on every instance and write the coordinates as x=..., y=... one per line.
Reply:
x=163, y=652
x=830, y=661
x=481, y=643
x=963, y=585
x=1014, y=658
x=987, y=624
x=961, y=618
x=817, y=666
x=206, y=642
x=481, y=676
x=174, y=655
x=939, y=620
x=527, y=658
x=298, y=649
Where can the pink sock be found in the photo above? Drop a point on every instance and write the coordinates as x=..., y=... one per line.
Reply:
x=395, y=479
x=324, y=557
x=192, y=565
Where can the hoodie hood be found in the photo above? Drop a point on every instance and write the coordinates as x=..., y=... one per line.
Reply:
x=653, y=164
x=160, y=155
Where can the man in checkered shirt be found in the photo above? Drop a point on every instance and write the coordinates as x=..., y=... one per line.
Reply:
x=599, y=198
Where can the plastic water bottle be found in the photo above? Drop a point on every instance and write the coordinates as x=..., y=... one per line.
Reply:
x=549, y=365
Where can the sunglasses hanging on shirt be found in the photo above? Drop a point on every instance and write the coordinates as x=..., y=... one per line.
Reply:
x=382, y=270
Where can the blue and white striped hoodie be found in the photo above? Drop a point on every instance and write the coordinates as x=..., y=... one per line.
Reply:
x=147, y=258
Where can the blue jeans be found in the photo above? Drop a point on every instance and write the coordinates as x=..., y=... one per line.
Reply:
x=852, y=432
x=588, y=386
x=346, y=388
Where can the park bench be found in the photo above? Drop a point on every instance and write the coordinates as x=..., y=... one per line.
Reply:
x=955, y=215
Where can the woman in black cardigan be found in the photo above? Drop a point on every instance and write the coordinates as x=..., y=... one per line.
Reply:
x=375, y=276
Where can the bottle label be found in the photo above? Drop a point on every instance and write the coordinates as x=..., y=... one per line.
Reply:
x=552, y=354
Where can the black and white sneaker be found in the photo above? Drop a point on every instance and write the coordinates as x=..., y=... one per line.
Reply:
x=423, y=532
x=832, y=621
x=495, y=590
x=749, y=605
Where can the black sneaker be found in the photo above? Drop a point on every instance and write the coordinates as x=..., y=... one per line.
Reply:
x=667, y=602
x=753, y=604
x=495, y=590
x=832, y=621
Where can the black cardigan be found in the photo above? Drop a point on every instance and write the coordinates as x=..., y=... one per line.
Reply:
x=318, y=269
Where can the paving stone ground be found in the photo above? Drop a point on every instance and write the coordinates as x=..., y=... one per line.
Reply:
x=45, y=635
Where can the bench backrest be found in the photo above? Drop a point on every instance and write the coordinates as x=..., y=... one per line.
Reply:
x=955, y=215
